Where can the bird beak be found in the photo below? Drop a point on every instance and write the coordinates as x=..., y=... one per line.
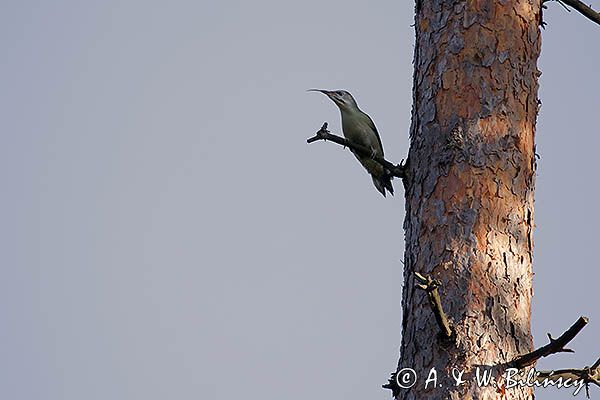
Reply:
x=325, y=92
x=319, y=90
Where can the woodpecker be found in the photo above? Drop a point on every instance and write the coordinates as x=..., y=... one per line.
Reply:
x=359, y=128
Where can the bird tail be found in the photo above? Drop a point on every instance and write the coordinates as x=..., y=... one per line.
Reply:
x=382, y=183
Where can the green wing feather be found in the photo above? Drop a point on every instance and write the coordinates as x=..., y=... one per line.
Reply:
x=372, y=125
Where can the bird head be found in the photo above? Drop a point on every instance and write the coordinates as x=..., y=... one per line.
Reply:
x=341, y=98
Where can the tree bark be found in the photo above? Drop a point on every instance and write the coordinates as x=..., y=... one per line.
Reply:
x=469, y=192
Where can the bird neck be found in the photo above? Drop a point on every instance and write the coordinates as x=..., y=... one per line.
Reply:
x=350, y=111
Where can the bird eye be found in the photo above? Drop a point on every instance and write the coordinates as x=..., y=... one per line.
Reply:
x=340, y=93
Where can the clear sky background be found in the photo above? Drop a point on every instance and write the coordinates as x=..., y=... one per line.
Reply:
x=167, y=233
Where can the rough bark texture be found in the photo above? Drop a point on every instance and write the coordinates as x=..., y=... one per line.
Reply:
x=470, y=186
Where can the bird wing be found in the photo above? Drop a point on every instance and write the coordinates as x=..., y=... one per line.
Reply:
x=372, y=125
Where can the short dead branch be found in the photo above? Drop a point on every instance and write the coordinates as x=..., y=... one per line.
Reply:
x=580, y=7
x=586, y=374
x=392, y=385
x=392, y=170
x=430, y=286
x=555, y=346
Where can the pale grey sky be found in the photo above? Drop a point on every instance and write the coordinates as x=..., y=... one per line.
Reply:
x=167, y=233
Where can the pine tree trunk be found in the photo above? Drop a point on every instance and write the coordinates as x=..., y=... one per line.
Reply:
x=470, y=190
